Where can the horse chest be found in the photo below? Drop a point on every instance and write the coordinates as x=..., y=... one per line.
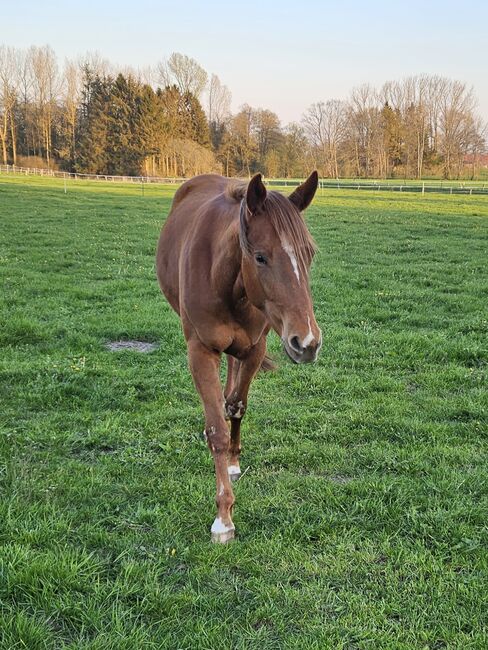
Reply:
x=247, y=330
x=241, y=344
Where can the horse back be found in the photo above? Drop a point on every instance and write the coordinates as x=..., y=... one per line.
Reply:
x=202, y=208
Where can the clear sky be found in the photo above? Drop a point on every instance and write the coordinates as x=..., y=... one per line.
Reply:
x=278, y=55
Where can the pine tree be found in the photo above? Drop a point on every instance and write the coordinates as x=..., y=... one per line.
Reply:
x=392, y=139
x=93, y=125
x=195, y=121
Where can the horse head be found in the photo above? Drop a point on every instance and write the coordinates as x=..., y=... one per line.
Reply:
x=277, y=253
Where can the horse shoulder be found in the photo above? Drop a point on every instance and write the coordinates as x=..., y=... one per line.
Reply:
x=198, y=187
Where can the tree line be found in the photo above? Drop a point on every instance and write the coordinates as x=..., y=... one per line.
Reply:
x=176, y=120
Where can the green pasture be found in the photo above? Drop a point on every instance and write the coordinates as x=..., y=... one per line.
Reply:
x=362, y=515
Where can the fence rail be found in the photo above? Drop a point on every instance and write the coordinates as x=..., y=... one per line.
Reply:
x=421, y=188
x=385, y=186
x=31, y=171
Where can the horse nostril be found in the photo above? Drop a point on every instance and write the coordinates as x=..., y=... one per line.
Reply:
x=294, y=342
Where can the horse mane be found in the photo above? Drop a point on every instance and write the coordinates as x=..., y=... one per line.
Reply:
x=286, y=220
x=236, y=189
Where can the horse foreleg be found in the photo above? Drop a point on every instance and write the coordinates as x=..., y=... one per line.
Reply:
x=235, y=424
x=232, y=369
x=204, y=366
x=236, y=401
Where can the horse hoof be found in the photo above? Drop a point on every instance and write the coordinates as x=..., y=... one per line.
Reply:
x=221, y=533
x=234, y=472
x=223, y=538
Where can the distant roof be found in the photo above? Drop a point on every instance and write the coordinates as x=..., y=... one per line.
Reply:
x=479, y=158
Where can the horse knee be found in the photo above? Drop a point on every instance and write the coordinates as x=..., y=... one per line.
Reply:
x=235, y=408
x=218, y=440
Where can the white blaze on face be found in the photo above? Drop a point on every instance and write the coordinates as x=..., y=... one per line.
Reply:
x=310, y=337
x=291, y=254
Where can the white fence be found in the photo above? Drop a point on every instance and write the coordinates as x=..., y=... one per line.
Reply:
x=31, y=171
x=419, y=188
x=444, y=187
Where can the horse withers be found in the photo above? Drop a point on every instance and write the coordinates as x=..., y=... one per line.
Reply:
x=233, y=261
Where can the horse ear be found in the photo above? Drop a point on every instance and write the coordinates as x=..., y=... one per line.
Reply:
x=256, y=194
x=303, y=195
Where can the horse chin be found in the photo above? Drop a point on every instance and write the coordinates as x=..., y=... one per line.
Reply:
x=291, y=354
x=301, y=358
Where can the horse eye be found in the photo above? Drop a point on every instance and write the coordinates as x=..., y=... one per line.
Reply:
x=260, y=259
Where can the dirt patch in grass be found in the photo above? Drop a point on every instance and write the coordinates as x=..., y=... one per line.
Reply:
x=138, y=346
x=340, y=479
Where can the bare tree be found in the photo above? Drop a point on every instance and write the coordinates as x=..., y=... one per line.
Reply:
x=25, y=114
x=96, y=64
x=456, y=122
x=436, y=90
x=364, y=125
x=146, y=75
x=45, y=90
x=183, y=71
x=325, y=124
x=218, y=101
x=8, y=99
x=72, y=82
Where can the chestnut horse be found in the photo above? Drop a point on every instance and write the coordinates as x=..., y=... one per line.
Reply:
x=233, y=262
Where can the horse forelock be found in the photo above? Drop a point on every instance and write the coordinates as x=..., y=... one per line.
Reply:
x=289, y=226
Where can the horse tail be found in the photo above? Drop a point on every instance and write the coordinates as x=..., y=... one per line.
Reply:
x=267, y=364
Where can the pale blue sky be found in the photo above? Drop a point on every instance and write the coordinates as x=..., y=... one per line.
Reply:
x=278, y=55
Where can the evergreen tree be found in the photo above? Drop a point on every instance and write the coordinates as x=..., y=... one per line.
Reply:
x=195, y=122
x=392, y=138
x=92, y=154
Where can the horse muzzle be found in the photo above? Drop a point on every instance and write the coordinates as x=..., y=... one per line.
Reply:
x=302, y=351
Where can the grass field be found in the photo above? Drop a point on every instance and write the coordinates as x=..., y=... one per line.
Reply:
x=362, y=516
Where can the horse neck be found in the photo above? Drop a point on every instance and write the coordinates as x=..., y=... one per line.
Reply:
x=226, y=272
